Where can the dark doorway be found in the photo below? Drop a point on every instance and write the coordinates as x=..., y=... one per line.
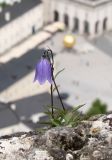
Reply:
x=33, y=30
x=86, y=27
x=105, y=24
x=96, y=27
x=66, y=20
x=76, y=25
x=56, y=16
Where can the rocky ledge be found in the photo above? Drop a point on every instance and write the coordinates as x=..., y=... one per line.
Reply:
x=90, y=140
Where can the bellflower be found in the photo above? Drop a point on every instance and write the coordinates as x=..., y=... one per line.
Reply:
x=43, y=71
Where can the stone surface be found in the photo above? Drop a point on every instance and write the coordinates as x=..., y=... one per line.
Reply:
x=90, y=140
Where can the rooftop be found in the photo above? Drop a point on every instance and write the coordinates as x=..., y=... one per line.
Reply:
x=92, y=3
x=16, y=10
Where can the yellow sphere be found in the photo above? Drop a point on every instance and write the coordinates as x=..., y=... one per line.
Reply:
x=69, y=41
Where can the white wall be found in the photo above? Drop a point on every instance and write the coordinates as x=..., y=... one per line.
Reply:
x=20, y=28
x=82, y=12
x=47, y=11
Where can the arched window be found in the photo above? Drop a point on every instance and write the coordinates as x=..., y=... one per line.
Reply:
x=76, y=24
x=105, y=24
x=66, y=20
x=86, y=27
x=96, y=27
x=56, y=16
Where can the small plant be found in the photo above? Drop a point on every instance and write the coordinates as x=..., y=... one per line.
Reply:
x=69, y=117
x=97, y=107
x=57, y=116
x=3, y=4
x=45, y=72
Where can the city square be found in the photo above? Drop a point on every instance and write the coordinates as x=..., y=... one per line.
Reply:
x=86, y=66
x=86, y=77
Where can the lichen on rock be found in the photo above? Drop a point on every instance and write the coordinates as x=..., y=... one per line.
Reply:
x=90, y=140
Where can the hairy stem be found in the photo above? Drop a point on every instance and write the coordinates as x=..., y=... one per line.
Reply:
x=50, y=57
x=58, y=94
x=52, y=100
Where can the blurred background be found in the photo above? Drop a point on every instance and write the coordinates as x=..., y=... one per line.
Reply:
x=79, y=32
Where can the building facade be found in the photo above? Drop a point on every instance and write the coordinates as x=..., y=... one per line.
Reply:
x=19, y=21
x=87, y=17
x=24, y=17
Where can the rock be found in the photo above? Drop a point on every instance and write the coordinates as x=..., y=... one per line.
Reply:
x=65, y=138
x=90, y=140
x=69, y=156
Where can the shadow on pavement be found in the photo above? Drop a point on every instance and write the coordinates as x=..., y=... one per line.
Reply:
x=25, y=109
x=17, y=68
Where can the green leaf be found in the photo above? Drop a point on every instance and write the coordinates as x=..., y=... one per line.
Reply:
x=55, y=88
x=67, y=117
x=62, y=117
x=59, y=73
x=45, y=122
x=48, y=113
x=78, y=107
x=55, y=122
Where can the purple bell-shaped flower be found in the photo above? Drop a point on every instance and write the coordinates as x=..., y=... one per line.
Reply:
x=43, y=71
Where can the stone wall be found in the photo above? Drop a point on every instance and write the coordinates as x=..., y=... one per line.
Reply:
x=90, y=140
